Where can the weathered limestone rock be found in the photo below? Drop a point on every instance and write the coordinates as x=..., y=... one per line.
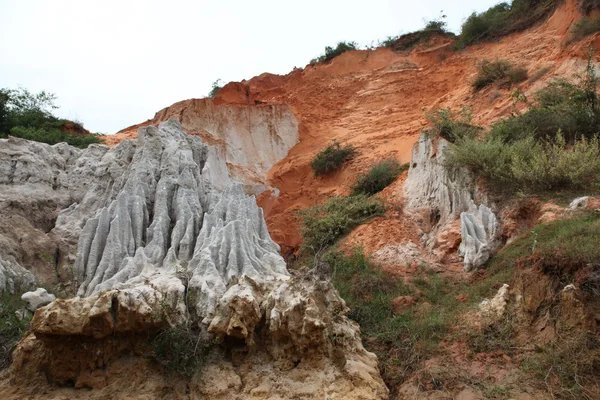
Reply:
x=479, y=236
x=13, y=277
x=439, y=196
x=431, y=186
x=580, y=202
x=37, y=181
x=165, y=236
x=39, y=298
x=494, y=309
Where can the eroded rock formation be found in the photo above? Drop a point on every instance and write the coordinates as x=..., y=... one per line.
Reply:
x=167, y=231
x=438, y=196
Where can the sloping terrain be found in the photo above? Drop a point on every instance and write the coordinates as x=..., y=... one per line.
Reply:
x=161, y=231
x=376, y=100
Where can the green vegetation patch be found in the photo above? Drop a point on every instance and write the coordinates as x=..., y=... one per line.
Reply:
x=28, y=116
x=11, y=328
x=584, y=27
x=216, y=86
x=331, y=158
x=333, y=52
x=450, y=125
x=378, y=177
x=181, y=349
x=503, y=19
x=408, y=41
x=323, y=224
x=404, y=339
x=552, y=146
x=499, y=71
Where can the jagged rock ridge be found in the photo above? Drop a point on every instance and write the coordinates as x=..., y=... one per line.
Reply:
x=168, y=229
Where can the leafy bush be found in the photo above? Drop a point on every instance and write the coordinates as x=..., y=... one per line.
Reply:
x=331, y=158
x=378, y=177
x=11, y=329
x=28, y=116
x=551, y=146
x=572, y=108
x=323, y=224
x=333, y=52
x=528, y=165
x=180, y=349
x=216, y=86
x=452, y=126
x=503, y=19
x=501, y=71
x=410, y=40
x=53, y=136
x=584, y=27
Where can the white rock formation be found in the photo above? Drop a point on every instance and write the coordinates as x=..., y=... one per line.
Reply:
x=494, y=309
x=38, y=298
x=430, y=185
x=479, y=232
x=166, y=236
x=580, y=202
x=252, y=139
x=36, y=181
x=440, y=196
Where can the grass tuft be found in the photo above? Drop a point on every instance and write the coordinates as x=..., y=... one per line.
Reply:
x=499, y=71
x=378, y=177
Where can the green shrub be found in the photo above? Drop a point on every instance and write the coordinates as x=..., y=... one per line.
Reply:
x=216, y=86
x=180, y=349
x=501, y=71
x=528, y=165
x=572, y=108
x=11, y=329
x=503, y=19
x=333, y=52
x=331, y=158
x=584, y=27
x=388, y=41
x=452, y=126
x=554, y=145
x=410, y=40
x=53, y=136
x=378, y=177
x=323, y=224
x=28, y=116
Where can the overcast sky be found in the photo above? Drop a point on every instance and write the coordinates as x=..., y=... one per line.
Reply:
x=114, y=63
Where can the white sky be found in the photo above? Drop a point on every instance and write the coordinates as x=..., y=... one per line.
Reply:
x=114, y=63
